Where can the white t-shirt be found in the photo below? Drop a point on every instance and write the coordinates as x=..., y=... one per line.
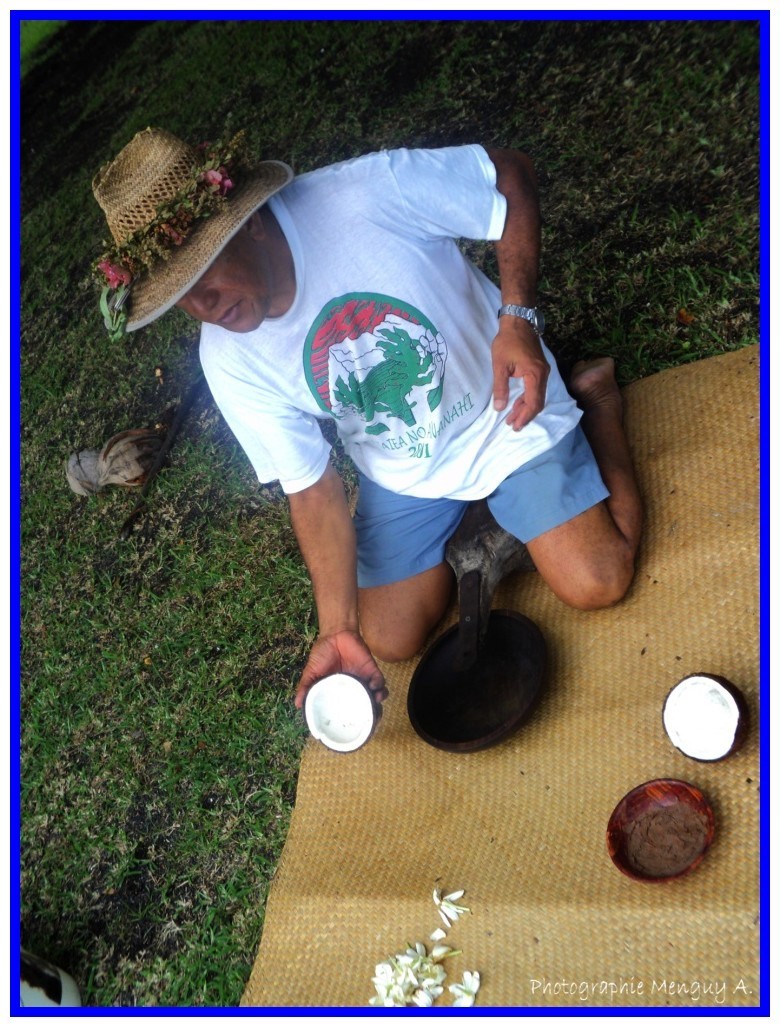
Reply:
x=389, y=334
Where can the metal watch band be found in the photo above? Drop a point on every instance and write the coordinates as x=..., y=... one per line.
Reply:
x=531, y=314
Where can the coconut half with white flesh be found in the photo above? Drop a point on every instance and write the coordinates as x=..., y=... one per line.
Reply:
x=340, y=712
x=705, y=717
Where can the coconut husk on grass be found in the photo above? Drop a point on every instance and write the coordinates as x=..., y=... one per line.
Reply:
x=126, y=459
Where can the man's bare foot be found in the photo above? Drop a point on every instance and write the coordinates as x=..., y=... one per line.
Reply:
x=593, y=384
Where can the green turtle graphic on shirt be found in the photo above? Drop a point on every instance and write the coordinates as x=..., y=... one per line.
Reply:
x=376, y=357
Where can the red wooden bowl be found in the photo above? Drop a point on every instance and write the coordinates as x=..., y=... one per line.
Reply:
x=660, y=830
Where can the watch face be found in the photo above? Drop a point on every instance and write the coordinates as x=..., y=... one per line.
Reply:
x=539, y=321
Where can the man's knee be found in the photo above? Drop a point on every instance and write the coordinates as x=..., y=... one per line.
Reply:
x=396, y=620
x=597, y=586
x=393, y=646
x=393, y=638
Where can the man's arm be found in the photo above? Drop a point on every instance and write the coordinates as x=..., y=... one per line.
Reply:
x=516, y=349
x=326, y=537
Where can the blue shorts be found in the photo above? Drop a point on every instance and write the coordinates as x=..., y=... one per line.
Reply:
x=399, y=536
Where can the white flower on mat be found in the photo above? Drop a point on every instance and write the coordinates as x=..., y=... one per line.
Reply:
x=442, y=951
x=427, y=996
x=384, y=973
x=415, y=977
x=466, y=991
x=447, y=906
x=412, y=977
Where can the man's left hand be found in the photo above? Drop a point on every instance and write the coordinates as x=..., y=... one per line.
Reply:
x=517, y=353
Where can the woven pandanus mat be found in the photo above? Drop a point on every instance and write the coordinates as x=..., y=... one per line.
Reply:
x=521, y=827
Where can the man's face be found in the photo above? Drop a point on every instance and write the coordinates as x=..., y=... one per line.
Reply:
x=244, y=284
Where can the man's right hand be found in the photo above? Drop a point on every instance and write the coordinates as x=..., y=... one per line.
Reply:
x=517, y=353
x=344, y=652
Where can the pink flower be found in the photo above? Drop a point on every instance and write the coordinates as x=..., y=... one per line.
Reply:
x=115, y=274
x=218, y=179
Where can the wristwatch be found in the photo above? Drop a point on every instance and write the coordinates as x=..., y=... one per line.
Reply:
x=532, y=315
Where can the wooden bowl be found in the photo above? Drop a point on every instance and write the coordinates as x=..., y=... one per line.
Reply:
x=660, y=830
x=466, y=708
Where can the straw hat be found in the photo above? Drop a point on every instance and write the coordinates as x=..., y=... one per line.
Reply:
x=157, y=172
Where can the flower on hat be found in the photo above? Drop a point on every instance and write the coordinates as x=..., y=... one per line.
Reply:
x=218, y=179
x=176, y=237
x=116, y=274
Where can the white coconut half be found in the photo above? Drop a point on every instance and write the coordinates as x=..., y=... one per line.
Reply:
x=703, y=717
x=340, y=712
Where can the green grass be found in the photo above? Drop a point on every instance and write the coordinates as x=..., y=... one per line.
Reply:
x=160, y=745
x=32, y=36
